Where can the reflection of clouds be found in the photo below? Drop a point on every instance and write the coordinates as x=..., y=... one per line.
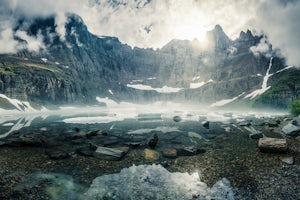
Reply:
x=24, y=121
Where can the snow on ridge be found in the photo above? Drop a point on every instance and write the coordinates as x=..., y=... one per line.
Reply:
x=196, y=78
x=110, y=92
x=164, y=89
x=264, y=86
x=44, y=60
x=200, y=84
x=225, y=101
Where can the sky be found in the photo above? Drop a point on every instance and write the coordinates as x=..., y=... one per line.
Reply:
x=153, y=23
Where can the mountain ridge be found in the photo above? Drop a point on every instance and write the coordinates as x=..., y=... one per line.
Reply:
x=92, y=66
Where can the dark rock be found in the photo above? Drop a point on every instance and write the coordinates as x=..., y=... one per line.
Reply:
x=205, y=124
x=294, y=122
x=93, y=133
x=133, y=144
x=85, y=151
x=26, y=140
x=272, y=145
x=152, y=142
x=177, y=119
x=290, y=130
x=256, y=135
x=273, y=123
x=190, y=151
x=57, y=154
x=169, y=153
x=79, y=134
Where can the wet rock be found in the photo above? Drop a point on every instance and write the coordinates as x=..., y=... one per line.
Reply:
x=290, y=130
x=133, y=144
x=288, y=160
x=151, y=155
x=85, y=151
x=169, y=153
x=2, y=143
x=93, y=133
x=110, y=153
x=205, y=124
x=152, y=142
x=57, y=154
x=256, y=136
x=273, y=123
x=190, y=151
x=177, y=119
x=272, y=145
x=211, y=136
x=294, y=122
x=221, y=137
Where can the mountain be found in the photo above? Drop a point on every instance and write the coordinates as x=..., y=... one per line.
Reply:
x=80, y=66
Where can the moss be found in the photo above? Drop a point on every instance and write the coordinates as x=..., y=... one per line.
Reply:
x=295, y=107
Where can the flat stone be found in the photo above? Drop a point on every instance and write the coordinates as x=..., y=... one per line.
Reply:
x=272, y=145
x=151, y=155
x=113, y=152
x=133, y=144
x=169, y=153
x=288, y=160
x=290, y=130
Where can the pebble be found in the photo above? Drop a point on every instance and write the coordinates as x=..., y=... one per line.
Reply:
x=169, y=153
x=288, y=160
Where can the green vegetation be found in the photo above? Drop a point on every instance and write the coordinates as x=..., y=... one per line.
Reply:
x=295, y=107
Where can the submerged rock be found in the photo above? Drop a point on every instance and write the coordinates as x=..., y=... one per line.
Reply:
x=290, y=130
x=288, y=160
x=190, y=151
x=272, y=145
x=151, y=155
x=169, y=153
x=57, y=154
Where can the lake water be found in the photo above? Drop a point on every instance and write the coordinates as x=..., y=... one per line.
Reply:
x=51, y=155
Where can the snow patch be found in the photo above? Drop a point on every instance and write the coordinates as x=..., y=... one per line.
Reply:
x=44, y=60
x=20, y=105
x=144, y=181
x=198, y=85
x=164, y=89
x=196, y=78
x=225, y=101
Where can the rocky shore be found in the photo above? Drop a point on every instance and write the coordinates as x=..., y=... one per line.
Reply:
x=259, y=156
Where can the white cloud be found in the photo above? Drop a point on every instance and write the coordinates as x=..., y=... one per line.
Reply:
x=32, y=43
x=7, y=42
x=263, y=47
x=146, y=23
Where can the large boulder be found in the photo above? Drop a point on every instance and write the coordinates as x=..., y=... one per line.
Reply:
x=272, y=145
x=290, y=130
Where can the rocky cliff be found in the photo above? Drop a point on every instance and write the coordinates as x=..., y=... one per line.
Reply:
x=81, y=66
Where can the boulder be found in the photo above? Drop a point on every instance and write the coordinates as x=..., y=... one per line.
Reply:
x=273, y=123
x=177, y=119
x=290, y=130
x=151, y=155
x=153, y=140
x=85, y=151
x=169, y=153
x=274, y=145
x=205, y=124
x=294, y=122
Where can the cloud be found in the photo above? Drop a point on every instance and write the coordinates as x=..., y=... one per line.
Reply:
x=262, y=48
x=153, y=23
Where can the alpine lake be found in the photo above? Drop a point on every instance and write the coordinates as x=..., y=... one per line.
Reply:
x=114, y=154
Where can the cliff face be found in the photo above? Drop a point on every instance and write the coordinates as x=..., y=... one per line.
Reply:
x=81, y=66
